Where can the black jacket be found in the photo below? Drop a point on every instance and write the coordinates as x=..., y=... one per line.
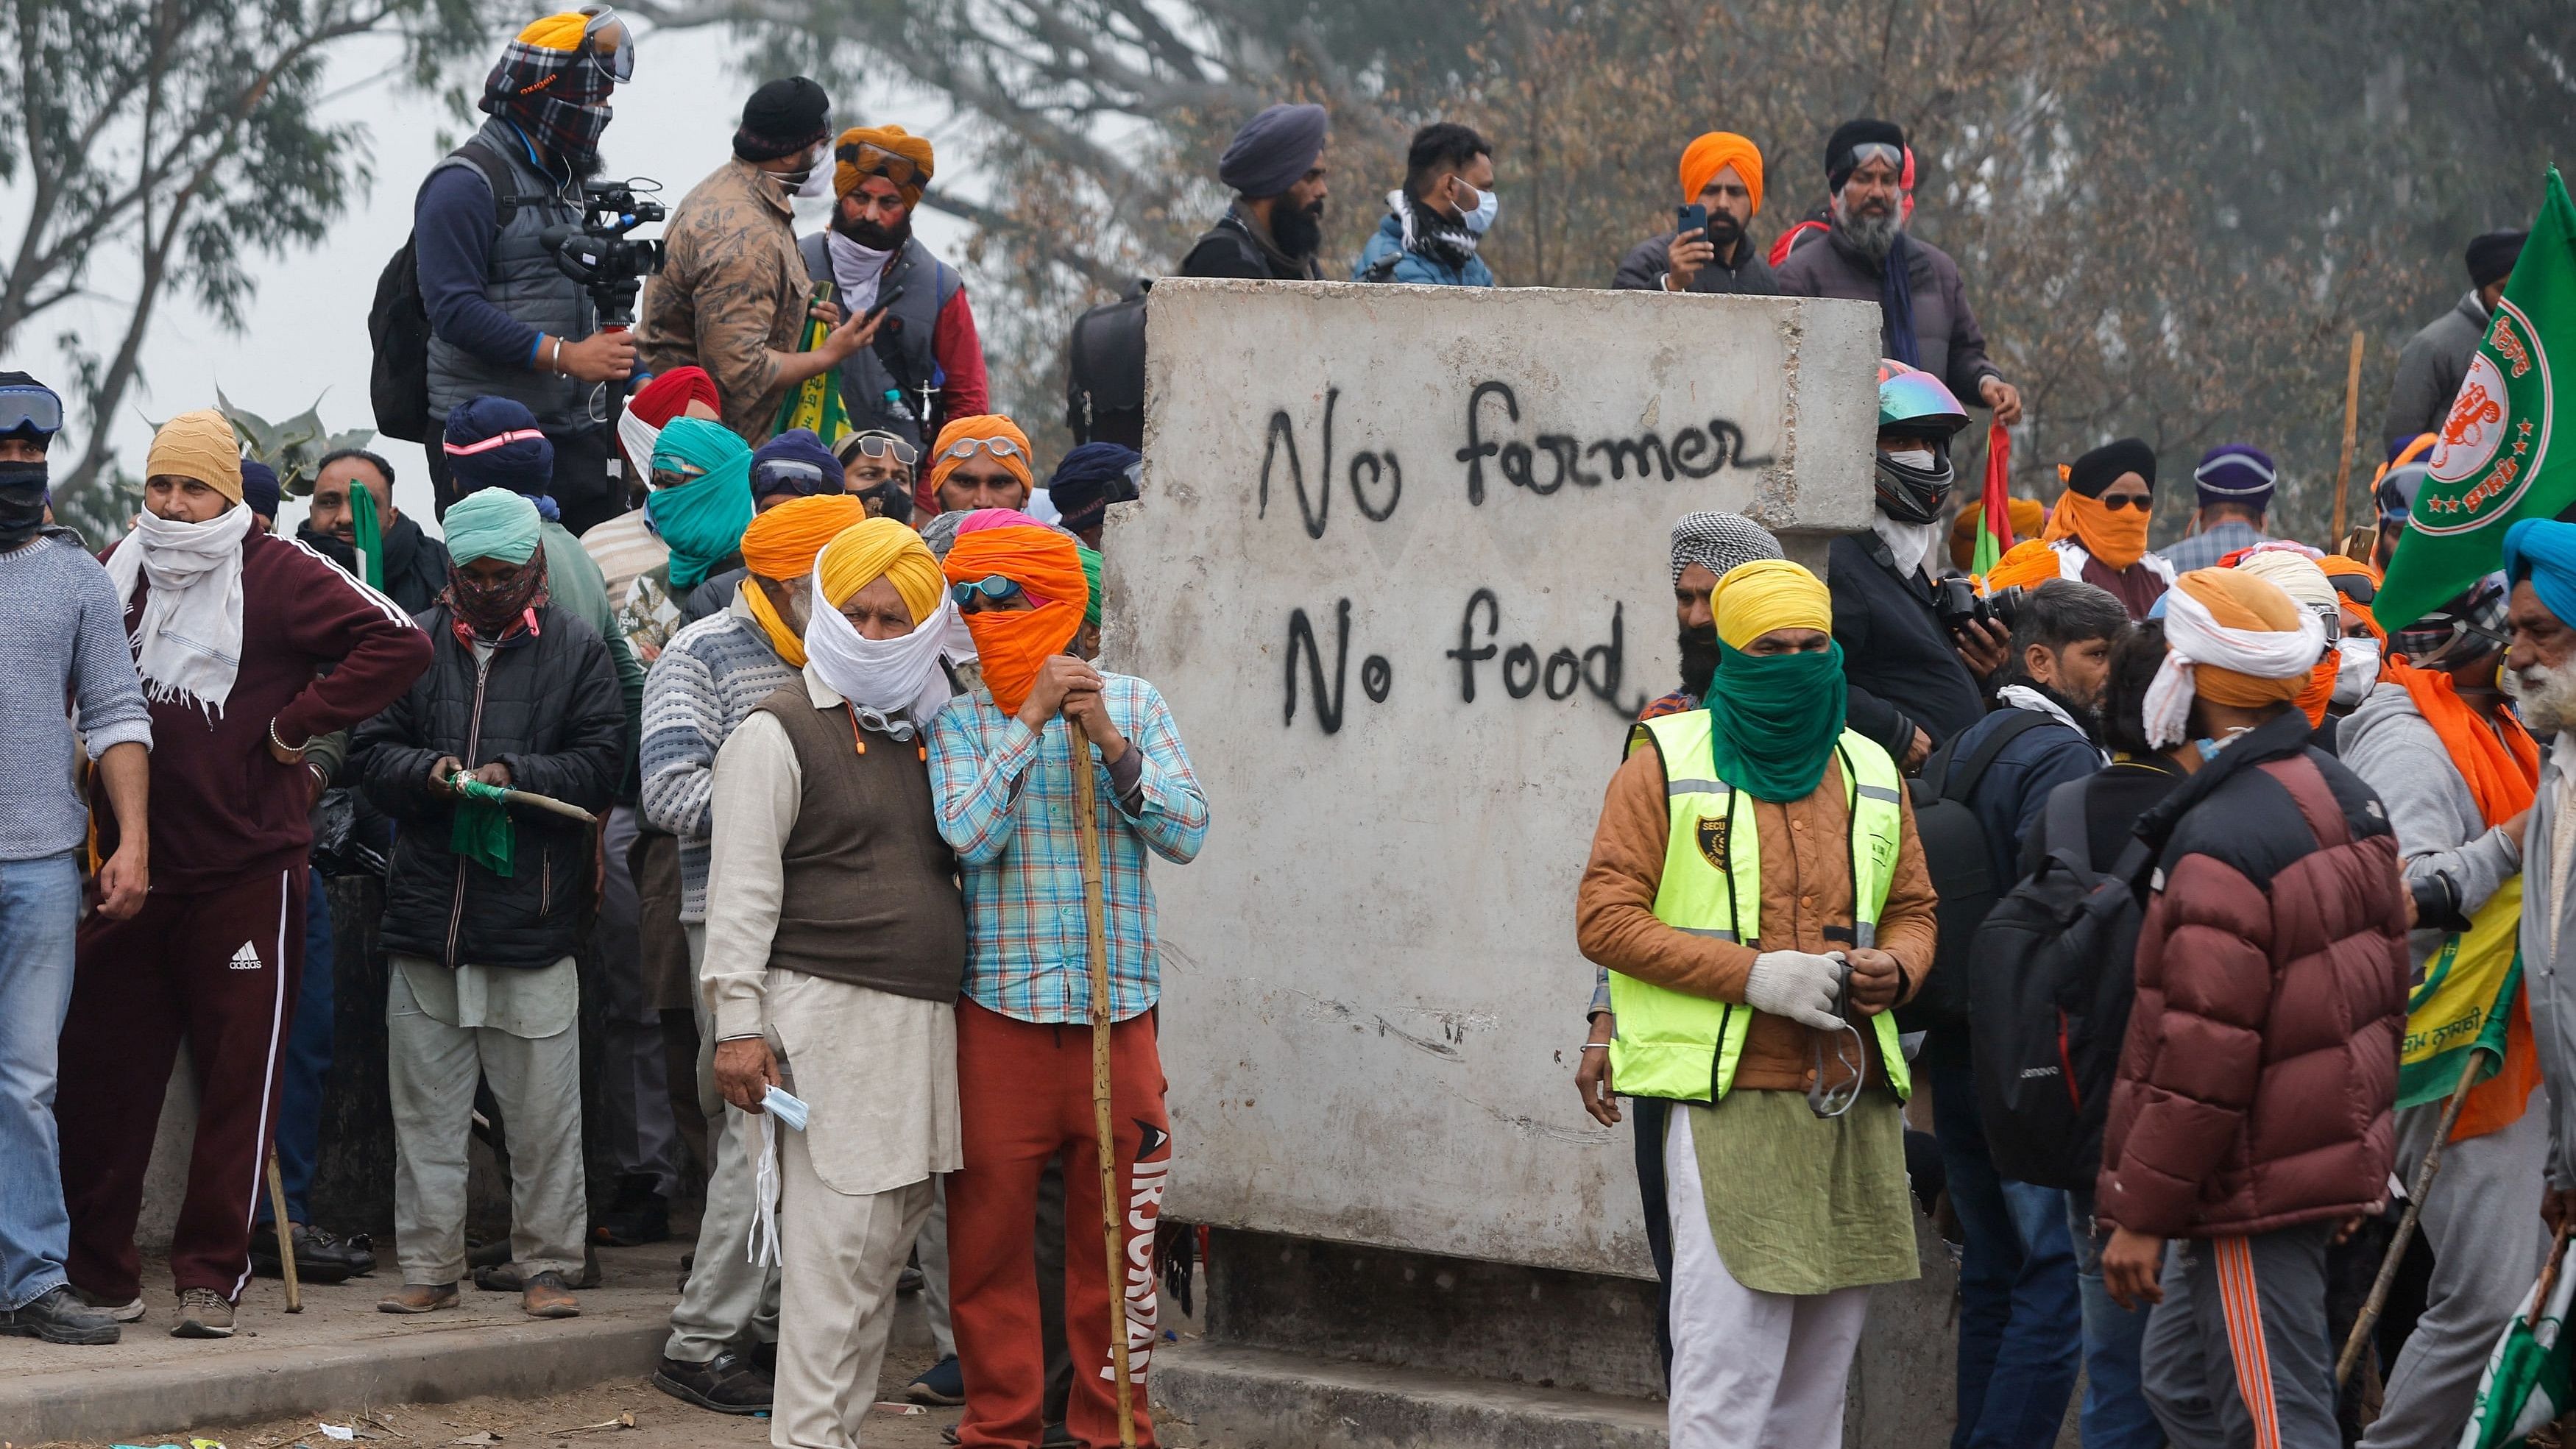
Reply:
x=1642, y=270
x=415, y=565
x=1229, y=249
x=547, y=706
x=1904, y=671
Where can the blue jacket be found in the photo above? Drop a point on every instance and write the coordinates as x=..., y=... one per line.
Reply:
x=2013, y=793
x=1415, y=267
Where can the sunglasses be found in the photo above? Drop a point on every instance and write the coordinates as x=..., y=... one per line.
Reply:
x=873, y=160
x=2138, y=501
x=992, y=588
x=969, y=447
x=2356, y=587
x=881, y=445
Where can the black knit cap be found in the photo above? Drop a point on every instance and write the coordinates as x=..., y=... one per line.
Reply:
x=1838, y=147
x=2491, y=257
x=783, y=118
x=2102, y=467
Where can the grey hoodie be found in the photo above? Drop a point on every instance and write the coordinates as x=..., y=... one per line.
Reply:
x=2440, y=830
x=2549, y=977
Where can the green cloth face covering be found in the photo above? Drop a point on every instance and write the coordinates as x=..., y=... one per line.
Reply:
x=1775, y=719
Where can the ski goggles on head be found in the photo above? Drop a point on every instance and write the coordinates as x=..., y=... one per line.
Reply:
x=26, y=409
x=965, y=448
x=870, y=159
x=789, y=475
x=992, y=588
x=2355, y=588
x=878, y=444
x=1868, y=151
x=608, y=44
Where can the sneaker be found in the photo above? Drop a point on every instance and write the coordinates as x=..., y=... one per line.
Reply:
x=203, y=1313
x=123, y=1310
x=504, y=1277
x=320, y=1257
x=636, y=1216
x=418, y=1298
x=57, y=1315
x=729, y=1383
x=942, y=1383
x=546, y=1296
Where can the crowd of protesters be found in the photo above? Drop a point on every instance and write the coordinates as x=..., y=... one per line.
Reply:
x=767, y=693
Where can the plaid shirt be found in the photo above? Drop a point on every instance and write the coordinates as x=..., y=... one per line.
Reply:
x=1006, y=806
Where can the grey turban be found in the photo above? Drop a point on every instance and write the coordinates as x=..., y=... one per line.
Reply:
x=1273, y=150
x=1719, y=542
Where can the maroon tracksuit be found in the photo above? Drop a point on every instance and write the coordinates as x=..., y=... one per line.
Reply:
x=216, y=956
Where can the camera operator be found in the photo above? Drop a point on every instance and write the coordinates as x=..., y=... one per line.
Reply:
x=504, y=318
x=732, y=293
x=926, y=365
x=1915, y=681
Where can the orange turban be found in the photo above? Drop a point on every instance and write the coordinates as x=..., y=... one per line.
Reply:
x=1011, y=644
x=2026, y=565
x=2339, y=567
x=781, y=544
x=2028, y=518
x=2239, y=600
x=851, y=164
x=1714, y=152
x=982, y=425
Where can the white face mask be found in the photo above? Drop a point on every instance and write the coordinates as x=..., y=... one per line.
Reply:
x=814, y=180
x=2356, y=669
x=1917, y=458
x=1480, y=216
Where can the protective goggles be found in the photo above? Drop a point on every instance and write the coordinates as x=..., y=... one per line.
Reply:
x=869, y=159
x=30, y=410
x=608, y=44
x=992, y=588
x=2356, y=588
x=874, y=444
x=1868, y=151
x=965, y=448
x=787, y=475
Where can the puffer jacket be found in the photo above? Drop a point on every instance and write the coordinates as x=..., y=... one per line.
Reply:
x=2257, y=1083
x=546, y=704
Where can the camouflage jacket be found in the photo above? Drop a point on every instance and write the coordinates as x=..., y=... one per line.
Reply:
x=731, y=290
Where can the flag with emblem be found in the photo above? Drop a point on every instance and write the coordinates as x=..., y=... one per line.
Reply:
x=816, y=402
x=2526, y=1384
x=2497, y=458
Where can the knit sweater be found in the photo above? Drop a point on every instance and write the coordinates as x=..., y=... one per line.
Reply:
x=66, y=639
x=709, y=679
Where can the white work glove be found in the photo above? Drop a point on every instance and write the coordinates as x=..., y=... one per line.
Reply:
x=1796, y=985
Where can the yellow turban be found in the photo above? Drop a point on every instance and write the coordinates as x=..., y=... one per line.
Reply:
x=782, y=543
x=1704, y=158
x=556, y=32
x=847, y=172
x=198, y=445
x=1767, y=594
x=881, y=548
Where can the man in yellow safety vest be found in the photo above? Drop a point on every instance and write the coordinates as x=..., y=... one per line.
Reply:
x=1759, y=897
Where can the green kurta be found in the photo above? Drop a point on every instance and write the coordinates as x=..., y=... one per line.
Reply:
x=1800, y=1204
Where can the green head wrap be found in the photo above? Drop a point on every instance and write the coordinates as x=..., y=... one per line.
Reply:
x=703, y=519
x=1775, y=719
x=1090, y=571
x=493, y=523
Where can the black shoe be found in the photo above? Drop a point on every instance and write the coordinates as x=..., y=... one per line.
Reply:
x=57, y=1315
x=320, y=1257
x=726, y=1384
x=637, y=1215
x=908, y=1282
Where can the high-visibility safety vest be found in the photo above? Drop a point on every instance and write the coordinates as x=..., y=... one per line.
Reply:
x=1672, y=1044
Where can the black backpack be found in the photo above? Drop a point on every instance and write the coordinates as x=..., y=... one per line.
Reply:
x=398, y=322
x=2052, y=977
x=1104, y=391
x=1962, y=865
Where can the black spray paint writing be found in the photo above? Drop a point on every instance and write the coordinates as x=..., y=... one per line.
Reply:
x=1316, y=508
x=1693, y=452
x=1522, y=672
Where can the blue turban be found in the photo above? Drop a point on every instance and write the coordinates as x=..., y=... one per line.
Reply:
x=794, y=463
x=2544, y=552
x=259, y=488
x=1089, y=479
x=702, y=519
x=491, y=523
x=493, y=442
x=1273, y=150
x=2237, y=473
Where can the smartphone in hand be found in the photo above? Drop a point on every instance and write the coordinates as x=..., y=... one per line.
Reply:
x=1693, y=217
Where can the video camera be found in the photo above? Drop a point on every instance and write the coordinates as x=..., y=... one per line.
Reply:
x=599, y=254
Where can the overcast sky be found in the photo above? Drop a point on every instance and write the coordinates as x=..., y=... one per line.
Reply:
x=306, y=332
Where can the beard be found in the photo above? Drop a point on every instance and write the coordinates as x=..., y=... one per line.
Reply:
x=2544, y=695
x=1699, y=660
x=1724, y=231
x=1875, y=235
x=1298, y=231
x=871, y=235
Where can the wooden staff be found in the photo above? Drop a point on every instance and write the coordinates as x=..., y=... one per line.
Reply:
x=1112, y=1225
x=285, y=1235
x=2351, y=421
x=511, y=795
x=2549, y=1274
x=2423, y=1184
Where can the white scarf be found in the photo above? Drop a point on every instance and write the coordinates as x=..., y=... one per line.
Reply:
x=2194, y=637
x=2022, y=696
x=188, y=643
x=639, y=437
x=1908, y=543
x=856, y=269
x=891, y=683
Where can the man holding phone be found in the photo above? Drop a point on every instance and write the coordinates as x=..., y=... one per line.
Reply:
x=1710, y=251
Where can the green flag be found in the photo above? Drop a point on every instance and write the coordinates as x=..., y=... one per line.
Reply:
x=2526, y=1382
x=2494, y=463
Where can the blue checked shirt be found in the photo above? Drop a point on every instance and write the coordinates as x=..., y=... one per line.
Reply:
x=1006, y=806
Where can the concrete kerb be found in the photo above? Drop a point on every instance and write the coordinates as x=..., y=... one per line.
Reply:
x=1251, y=1398
x=464, y=1360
